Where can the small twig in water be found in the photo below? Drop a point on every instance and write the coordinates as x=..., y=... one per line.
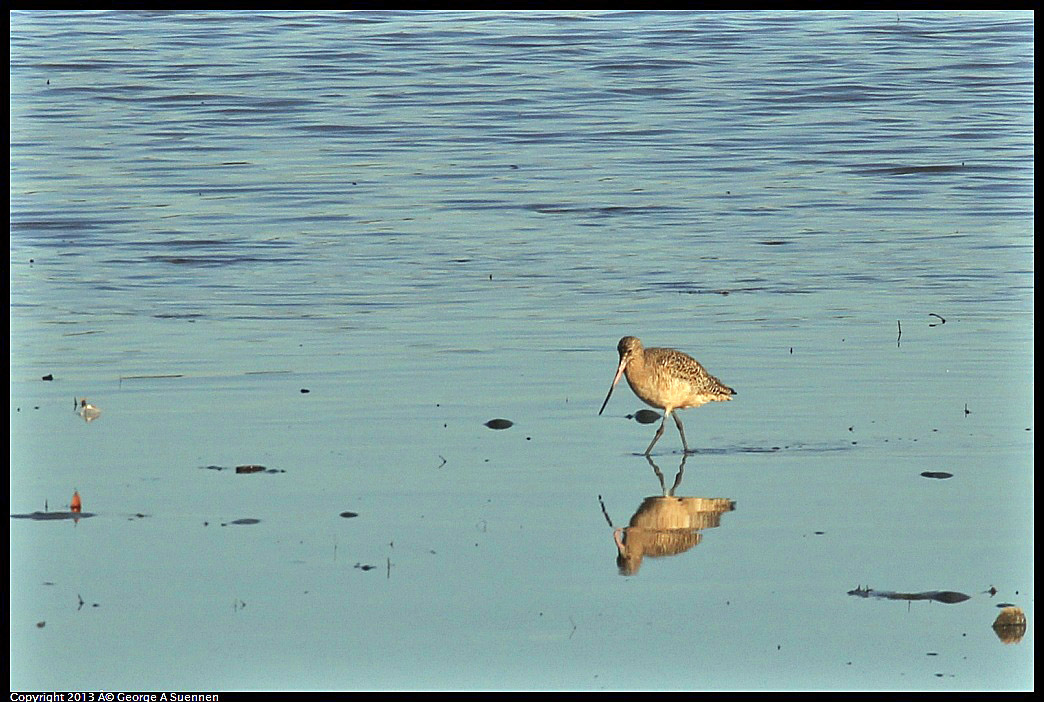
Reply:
x=932, y=314
x=900, y=333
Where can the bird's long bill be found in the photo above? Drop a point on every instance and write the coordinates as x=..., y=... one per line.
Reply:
x=619, y=372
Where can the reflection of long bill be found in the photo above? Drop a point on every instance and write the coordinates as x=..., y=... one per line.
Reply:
x=619, y=372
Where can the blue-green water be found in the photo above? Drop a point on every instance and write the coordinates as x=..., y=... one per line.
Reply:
x=429, y=220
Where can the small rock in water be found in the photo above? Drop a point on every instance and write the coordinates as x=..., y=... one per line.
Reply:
x=936, y=474
x=645, y=416
x=499, y=423
x=1010, y=625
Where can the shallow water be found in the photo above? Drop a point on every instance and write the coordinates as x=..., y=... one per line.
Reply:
x=430, y=221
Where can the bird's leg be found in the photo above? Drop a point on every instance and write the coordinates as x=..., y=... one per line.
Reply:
x=659, y=433
x=677, y=420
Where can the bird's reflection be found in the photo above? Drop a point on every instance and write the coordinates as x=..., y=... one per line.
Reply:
x=666, y=525
x=677, y=477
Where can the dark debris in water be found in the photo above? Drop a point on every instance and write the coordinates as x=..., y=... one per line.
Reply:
x=944, y=596
x=245, y=469
x=349, y=515
x=499, y=423
x=940, y=475
x=243, y=521
x=51, y=516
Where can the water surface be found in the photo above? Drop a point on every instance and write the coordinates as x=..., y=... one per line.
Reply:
x=429, y=221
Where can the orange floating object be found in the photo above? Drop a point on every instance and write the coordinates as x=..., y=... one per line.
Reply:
x=75, y=505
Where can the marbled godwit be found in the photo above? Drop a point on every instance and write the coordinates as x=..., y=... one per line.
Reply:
x=666, y=379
